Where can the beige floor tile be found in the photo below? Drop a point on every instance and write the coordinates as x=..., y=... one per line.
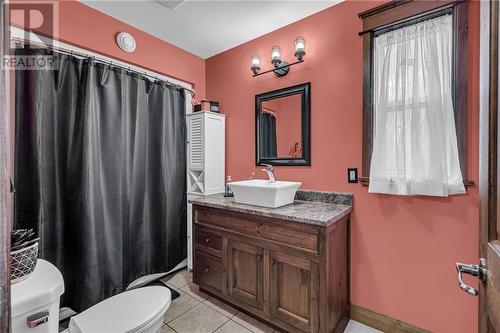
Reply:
x=200, y=319
x=179, y=306
x=171, y=286
x=194, y=291
x=355, y=327
x=232, y=327
x=252, y=324
x=179, y=279
x=221, y=307
x=167, y=329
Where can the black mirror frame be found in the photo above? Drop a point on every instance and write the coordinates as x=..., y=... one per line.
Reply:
x=305, y=91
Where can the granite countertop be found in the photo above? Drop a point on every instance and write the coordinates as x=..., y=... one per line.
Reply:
x=310, y=207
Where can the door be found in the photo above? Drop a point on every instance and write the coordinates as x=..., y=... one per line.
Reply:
x=490, y=222
x=293, y=290
x=4, y=180
x=245, y=276
x=488, y=269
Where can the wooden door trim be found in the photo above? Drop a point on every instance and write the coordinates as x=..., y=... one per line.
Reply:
x=5, y=227
x=493, y=298
x=488, y=134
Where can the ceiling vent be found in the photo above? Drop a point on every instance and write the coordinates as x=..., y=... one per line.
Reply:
x=172, y=4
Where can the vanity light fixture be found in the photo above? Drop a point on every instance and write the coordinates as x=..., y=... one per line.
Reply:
x=300, y=47
x=276, y=56
x=281, y=67
x=255, y=60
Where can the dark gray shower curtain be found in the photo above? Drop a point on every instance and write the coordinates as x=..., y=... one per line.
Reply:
x=100, y=170
x=268, y=145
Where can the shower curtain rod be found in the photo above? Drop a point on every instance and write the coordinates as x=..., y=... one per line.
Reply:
x=101, y=60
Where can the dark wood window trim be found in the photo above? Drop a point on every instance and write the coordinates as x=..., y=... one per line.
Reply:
x=396, y=14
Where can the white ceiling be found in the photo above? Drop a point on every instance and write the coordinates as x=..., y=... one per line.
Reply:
x=206, y=27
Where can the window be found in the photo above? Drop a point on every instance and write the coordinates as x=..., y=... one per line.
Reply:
x=414, y=108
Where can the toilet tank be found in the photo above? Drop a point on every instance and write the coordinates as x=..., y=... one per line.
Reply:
x=35, y=300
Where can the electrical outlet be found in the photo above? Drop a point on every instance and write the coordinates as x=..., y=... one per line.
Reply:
x=352, y=175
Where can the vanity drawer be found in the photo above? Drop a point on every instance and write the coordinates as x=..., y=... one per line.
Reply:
x=208, y=239
x=298, y=236
x=208, y=271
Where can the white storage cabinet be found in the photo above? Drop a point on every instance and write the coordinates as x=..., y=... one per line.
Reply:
x=206, y=157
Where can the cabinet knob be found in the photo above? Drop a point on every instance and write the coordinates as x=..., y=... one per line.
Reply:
x=207, y=269
x=207, y=240
x=259, y=257
x=273, y=261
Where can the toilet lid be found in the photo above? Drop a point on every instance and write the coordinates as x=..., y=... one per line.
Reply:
x=125, y=312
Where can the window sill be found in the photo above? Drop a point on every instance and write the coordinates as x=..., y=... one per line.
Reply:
x=366, y=181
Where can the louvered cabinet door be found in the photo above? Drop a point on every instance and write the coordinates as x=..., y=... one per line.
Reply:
x=196, y=143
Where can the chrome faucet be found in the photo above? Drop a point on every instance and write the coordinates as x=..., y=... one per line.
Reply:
x=270, y=172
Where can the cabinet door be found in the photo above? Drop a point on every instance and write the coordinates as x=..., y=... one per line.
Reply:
x=196, y=137
x=293, y=294
x=245, y=273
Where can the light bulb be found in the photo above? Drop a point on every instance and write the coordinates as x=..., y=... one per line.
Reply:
x=255, y=63
x=300, y=47
x=276, y=55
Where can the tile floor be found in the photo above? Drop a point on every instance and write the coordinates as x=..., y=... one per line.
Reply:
x=196, y=312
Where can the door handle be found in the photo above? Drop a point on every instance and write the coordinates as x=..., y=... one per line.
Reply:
x=479, y=271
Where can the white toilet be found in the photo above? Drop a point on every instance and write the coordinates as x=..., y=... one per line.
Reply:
x=35, y=303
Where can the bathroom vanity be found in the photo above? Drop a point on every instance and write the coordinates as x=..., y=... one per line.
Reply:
x=288, y=266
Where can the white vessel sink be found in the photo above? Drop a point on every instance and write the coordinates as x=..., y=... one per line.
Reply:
x=260, y=192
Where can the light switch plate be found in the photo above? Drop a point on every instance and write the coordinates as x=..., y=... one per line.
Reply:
x=352, y=175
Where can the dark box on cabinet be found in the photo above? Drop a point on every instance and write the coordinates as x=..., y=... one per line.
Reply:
x=205, y=105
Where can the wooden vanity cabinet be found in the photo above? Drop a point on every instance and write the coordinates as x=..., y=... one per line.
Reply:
x=294, y=276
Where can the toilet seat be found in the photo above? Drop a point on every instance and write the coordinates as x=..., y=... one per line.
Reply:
x=131, y=311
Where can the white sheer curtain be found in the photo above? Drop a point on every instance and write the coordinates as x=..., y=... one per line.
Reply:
x=415, y=143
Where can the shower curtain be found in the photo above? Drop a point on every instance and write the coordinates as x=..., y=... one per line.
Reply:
x=100, y=171
x=268, y=145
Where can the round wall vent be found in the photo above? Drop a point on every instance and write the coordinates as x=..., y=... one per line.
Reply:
x=126, y=42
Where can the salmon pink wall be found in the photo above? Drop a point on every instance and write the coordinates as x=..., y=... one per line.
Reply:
x=403, y=249
x=93, y=30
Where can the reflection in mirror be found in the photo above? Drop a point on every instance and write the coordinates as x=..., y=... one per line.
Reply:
x=281, y=127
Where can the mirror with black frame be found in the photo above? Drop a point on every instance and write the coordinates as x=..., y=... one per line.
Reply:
x=282, y=126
